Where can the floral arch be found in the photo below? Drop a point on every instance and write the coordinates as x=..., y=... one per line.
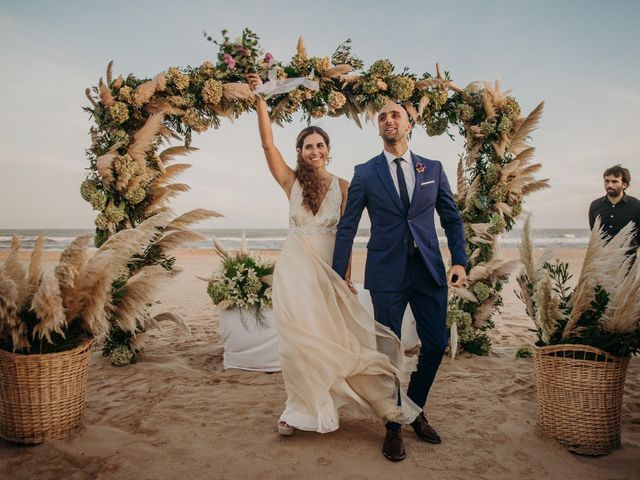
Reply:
x=131, y=173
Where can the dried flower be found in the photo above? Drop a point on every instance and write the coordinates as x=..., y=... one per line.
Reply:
x=488, y=127
x=177, y=78
x=401, y=87
x=207, y=69
x=119, y=112
x=482, y=291
x=499, y=192
x=511, y=108
x=88, y=188
x=497, y=224
x=193, y=120
x=121, y=355
x=136, y=195
x=125, y=165
x=98, y=200
x=465, y=112
x=212, y=92
x=379, y=101
x=505, y=125
x=126, y=94
x=436, y=126
x=318, y=112
x=381, y=69
x=337, y=100
x=370, y=86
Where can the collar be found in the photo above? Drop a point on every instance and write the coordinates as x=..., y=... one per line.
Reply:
x=406, y=156
x=623, y=200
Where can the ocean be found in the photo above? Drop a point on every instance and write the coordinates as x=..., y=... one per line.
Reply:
x=273, y=238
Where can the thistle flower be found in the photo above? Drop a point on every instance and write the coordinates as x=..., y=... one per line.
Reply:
x=119, y=112
x=465, y=112
x=436, y=126
x=121, y=355
x=126, y=94
x=177, y=78
x=482, y=291
x=87, y=189
x=401, y=87
x=505, y=125
x=511, y=108
x=124, y=165
x=337, y=100
x=381, y=69
x=212, y=92
x=136, y=195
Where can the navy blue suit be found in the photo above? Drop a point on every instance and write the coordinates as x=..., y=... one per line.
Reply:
x=393, y=277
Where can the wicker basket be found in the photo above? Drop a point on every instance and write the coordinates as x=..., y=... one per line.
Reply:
x=42, y=396
x=580, y=396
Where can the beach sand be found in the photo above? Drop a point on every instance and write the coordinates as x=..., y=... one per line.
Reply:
x=178, y=414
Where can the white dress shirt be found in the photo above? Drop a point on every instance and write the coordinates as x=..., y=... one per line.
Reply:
x=407, y=169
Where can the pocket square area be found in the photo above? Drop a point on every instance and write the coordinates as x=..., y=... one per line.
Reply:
x=427, y=183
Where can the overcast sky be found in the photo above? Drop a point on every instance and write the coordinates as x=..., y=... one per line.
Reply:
x=580, y=57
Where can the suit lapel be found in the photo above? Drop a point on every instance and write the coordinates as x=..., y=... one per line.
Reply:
x=419, y=177
x=382, y=168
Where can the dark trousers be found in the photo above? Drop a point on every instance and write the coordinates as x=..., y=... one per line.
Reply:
x=428, y=303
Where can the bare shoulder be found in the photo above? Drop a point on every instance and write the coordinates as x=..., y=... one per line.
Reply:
x=344, y=185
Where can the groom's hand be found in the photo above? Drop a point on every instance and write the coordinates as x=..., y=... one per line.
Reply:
x=457, y=276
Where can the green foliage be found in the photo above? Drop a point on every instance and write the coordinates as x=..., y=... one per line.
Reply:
x=524, y=352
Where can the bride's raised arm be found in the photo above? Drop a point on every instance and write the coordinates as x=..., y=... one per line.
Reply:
x=283, y=174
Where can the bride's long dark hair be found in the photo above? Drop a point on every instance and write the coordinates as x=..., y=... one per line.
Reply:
x=308, y=177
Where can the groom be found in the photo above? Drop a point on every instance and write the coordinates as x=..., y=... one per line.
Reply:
x=401, y=191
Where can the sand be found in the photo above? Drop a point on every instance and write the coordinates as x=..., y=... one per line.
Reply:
x=178, y=414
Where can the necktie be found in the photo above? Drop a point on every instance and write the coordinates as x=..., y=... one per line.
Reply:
x=404, y=197
x=402, y=184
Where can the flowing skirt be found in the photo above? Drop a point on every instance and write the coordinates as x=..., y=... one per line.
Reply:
x=332, y=352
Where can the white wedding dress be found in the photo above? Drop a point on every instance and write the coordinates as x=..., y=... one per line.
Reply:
x=332, y=352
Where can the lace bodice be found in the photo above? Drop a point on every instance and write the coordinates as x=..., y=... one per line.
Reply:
x=303, y=221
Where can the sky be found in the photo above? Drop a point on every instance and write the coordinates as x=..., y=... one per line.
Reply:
x=580, y=57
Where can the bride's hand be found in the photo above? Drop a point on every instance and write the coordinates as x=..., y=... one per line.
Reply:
x=253, y=79
x=351, y=287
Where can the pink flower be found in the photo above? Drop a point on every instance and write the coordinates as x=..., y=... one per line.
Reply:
x=231, y=63
x=419, y=167
x=268, y=57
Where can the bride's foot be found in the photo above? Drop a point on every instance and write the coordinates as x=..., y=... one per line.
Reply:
x=284, y=428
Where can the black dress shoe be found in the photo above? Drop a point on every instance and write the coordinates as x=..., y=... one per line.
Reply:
x=424, y=430
x=393, y=448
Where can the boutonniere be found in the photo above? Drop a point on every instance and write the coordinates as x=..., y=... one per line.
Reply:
x=419, y=167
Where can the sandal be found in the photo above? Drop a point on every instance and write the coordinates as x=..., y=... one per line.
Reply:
x=284, y=428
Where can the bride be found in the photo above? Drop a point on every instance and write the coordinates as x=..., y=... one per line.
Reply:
x=332, y=352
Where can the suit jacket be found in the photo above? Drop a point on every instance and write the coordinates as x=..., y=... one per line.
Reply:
x=372, y=188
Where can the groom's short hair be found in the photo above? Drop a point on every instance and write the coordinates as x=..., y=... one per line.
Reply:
x=618, y=171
